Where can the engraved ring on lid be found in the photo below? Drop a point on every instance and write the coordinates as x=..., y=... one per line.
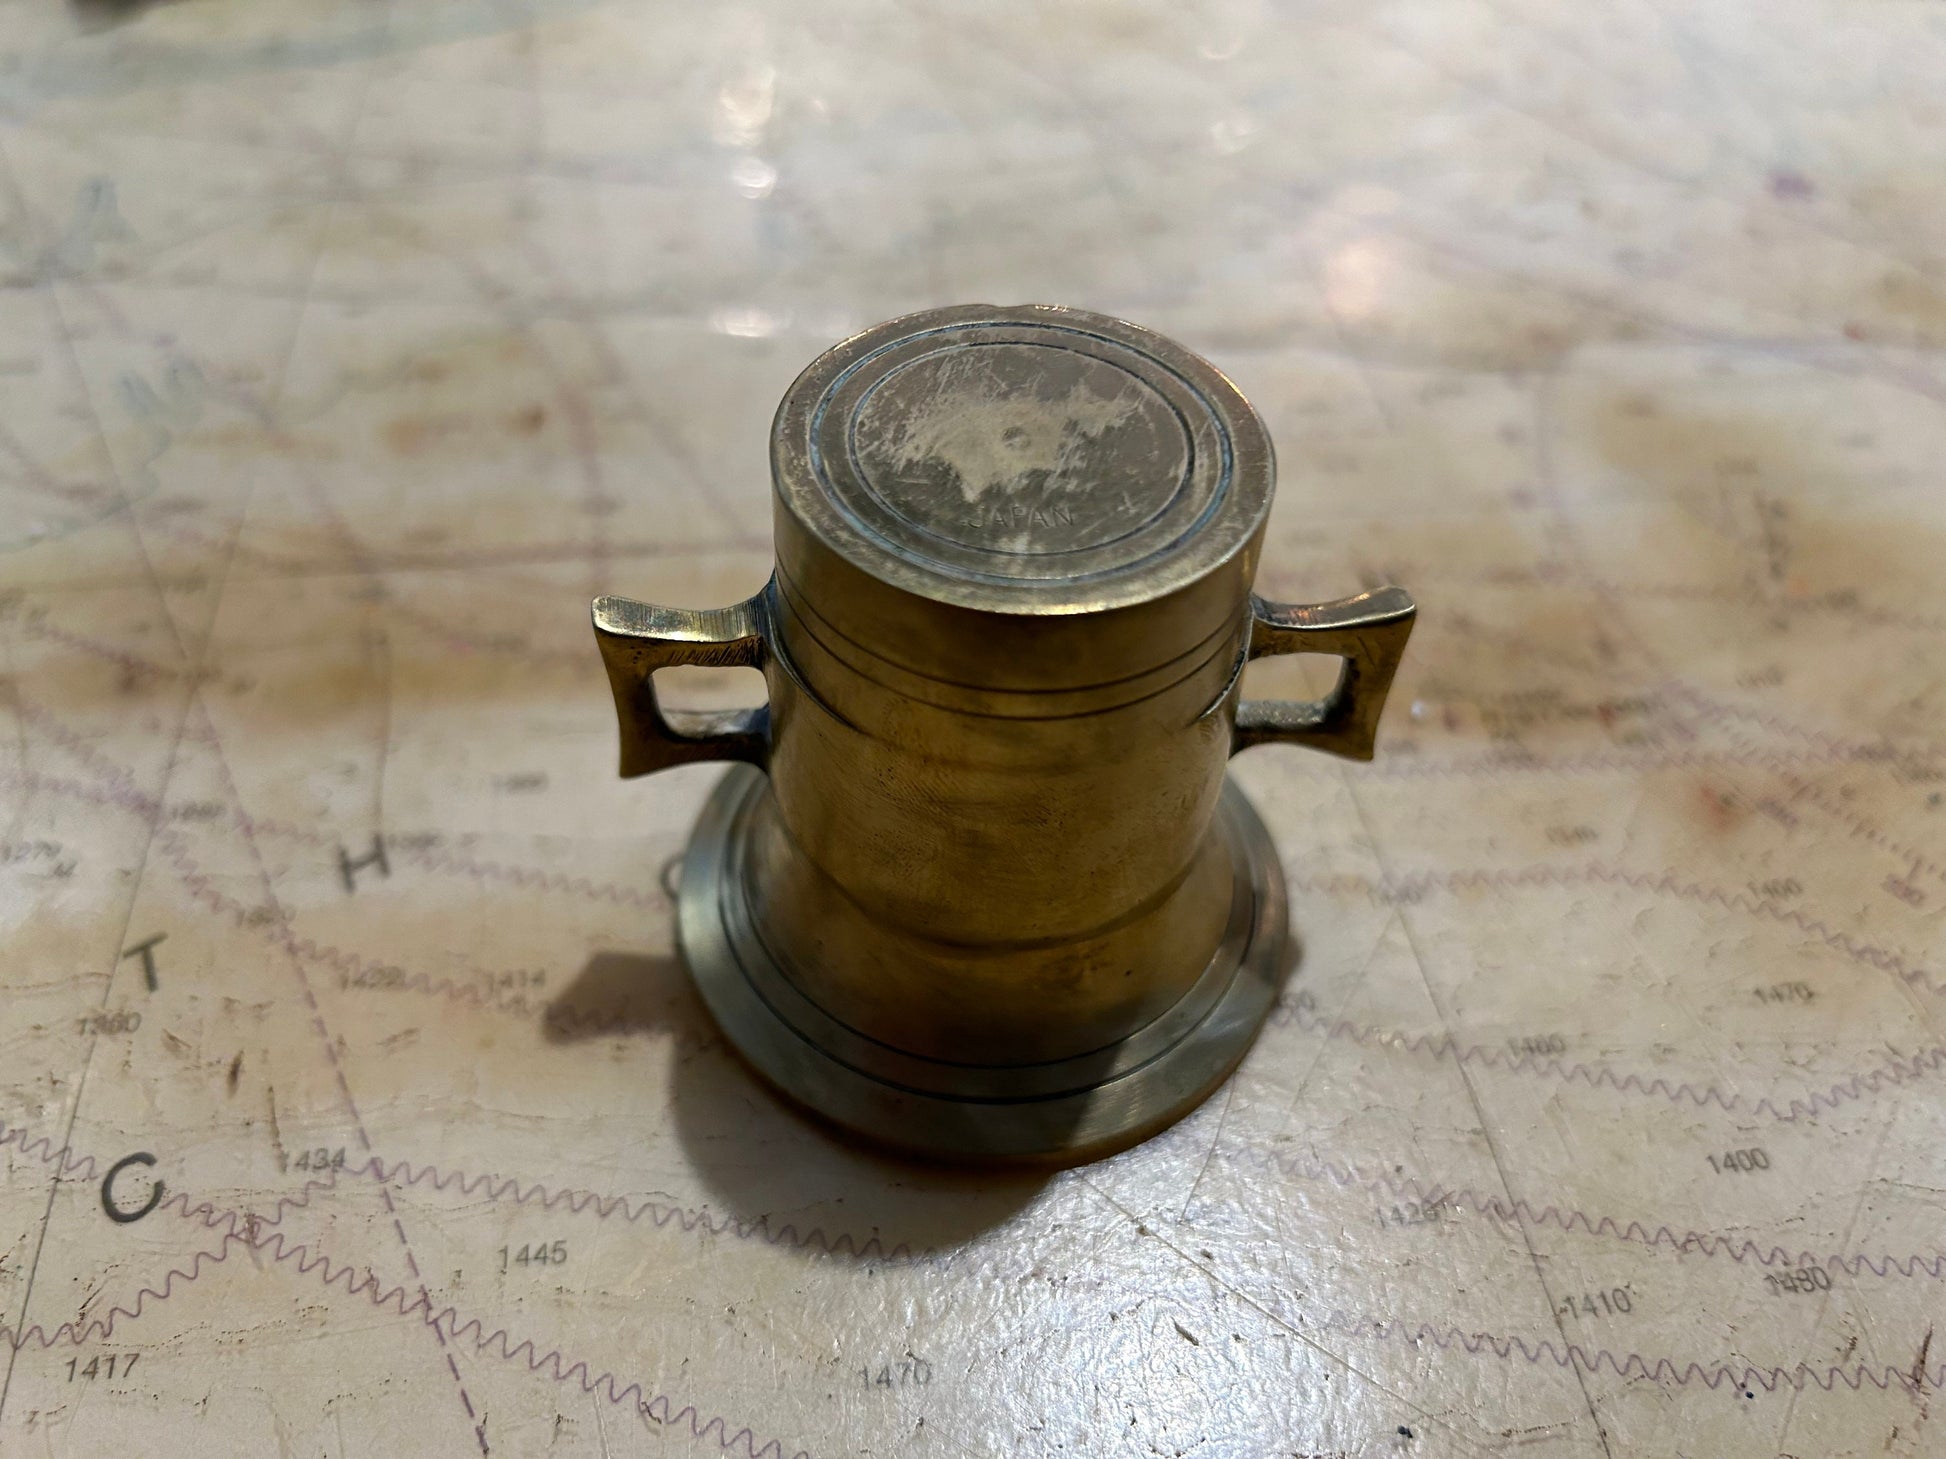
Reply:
x=1017, y=451
x=1030, y=462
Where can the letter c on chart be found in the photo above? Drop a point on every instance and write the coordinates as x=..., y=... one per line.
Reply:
x=115, y=1212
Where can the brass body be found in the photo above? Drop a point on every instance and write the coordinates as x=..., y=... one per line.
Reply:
x=988, y=841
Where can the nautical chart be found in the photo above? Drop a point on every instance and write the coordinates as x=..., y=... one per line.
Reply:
x=352, y=1099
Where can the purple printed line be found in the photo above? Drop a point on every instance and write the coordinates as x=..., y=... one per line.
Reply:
x=1804, y=790
x=1744, y=1380
x=375, y=563
x=1603, y=762
x=235, y=1225
x=356, y=551
x=43, y=1149
x=659, y=1214
x=1695, y=593
x=1630, y=1364
x=35, y=625
x=121, y=791
x=284, y=936
x=351, y=965
x=447, y=1321
x=452, y=863
x=1859, y=826
x=532, y=878
x=1897, y=1070
x=1710, y=708
x=102, y=1328
x=1571, y=1219
x=500, y=1342
x=1668, y=884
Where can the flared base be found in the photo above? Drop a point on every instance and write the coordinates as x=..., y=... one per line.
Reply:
x=1057, y=1113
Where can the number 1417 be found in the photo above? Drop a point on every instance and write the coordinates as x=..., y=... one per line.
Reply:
x=101, y=1366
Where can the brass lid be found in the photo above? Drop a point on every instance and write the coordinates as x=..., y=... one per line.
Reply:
x=1018, y=498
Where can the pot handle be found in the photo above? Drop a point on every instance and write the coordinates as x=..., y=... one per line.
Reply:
x=1369, y=631
x=636, y=639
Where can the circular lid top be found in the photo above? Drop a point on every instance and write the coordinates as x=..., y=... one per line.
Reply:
x=1027, y=460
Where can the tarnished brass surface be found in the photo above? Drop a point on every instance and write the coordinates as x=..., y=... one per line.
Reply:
x=993, y=897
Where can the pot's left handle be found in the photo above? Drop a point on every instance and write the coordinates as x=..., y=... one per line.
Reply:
x=638, y=638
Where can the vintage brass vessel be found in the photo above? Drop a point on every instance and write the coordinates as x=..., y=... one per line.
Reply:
x=979, y=887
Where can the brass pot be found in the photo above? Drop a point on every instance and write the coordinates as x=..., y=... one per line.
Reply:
x=995, y=897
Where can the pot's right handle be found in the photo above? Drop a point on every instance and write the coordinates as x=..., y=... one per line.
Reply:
x=1368, y=631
